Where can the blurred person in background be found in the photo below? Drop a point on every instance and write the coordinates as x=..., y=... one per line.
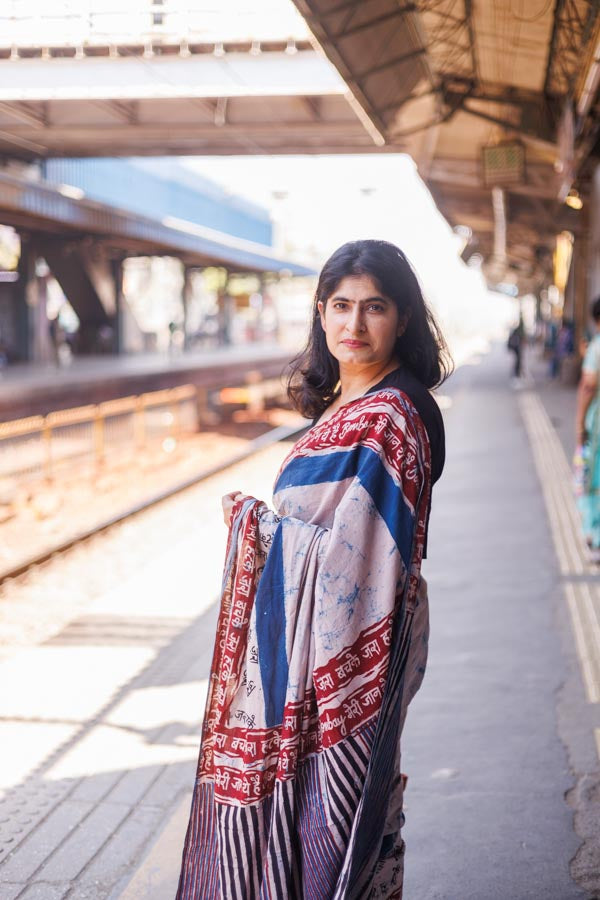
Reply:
x=550, y=346
x=587, y=440
x=515, y=343
x=323, y=628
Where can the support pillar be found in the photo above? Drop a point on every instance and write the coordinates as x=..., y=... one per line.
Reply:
x=117, y=317
x=225, y=302
x=25, y=301
x=186, y=295
x=581, y=298
x=44, y=345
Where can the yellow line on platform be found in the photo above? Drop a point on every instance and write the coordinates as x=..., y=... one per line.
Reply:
x=586, y=658
x=583, y=599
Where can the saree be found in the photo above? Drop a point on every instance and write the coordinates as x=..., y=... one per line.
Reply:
x=321, y=643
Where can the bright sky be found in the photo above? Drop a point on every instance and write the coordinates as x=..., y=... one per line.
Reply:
x=319, y=202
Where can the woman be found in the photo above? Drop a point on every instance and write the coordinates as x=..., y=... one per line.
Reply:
x=587, y=439
x=322, y=634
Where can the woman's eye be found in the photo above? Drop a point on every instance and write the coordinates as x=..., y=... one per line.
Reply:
x=376, y=307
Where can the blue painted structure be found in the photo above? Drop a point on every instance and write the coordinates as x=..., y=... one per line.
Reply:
x=162, y=187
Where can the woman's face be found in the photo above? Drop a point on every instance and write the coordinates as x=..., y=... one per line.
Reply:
x=360, y=324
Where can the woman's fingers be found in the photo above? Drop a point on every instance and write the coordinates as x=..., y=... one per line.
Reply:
x=227, y=502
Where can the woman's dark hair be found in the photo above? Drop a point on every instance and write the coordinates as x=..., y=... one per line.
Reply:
x=596, y=310
x=421, y=348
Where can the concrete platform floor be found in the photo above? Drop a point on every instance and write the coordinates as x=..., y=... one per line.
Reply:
x=101, y=704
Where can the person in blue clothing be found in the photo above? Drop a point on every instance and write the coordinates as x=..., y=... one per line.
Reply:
x=587, y=437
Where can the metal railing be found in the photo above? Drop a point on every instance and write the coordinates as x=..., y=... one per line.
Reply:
x=93, y=437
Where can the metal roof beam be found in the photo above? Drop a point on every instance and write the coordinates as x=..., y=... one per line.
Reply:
x=372, y=23
x=398, y=104
x=469, y=18
x=463, y=176
x=518, y=128
x=570, y=35
x=496, y=93
x=441, y=36
x=343, y=7
x=369, y=117
x=313, y=105
x=124, y=111
x=23, y=114
x=381, y=67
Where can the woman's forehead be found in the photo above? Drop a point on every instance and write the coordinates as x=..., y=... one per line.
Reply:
x=357, y=287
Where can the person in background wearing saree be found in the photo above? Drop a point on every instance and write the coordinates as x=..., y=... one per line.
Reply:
x=587, y=440
x=323, y=628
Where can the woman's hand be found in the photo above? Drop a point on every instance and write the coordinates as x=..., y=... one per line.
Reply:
x=227, y=502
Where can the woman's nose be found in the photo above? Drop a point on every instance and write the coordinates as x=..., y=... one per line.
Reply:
x=356, y=322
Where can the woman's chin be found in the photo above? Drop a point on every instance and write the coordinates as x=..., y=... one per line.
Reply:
x=362, y=358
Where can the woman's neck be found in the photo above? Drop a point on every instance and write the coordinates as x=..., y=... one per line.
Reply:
x=355, y=383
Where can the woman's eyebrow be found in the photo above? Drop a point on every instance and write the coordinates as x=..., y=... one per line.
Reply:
x=377, y=298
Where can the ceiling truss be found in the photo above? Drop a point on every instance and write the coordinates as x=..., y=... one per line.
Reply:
x=575, y=22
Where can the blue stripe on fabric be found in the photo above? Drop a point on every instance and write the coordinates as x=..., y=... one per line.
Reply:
x=317, y=469
x=270, y=631
x=366, y=464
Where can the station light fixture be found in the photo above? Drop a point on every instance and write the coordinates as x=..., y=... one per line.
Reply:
x=563, y=254
x=573, y=200
x=71, y=191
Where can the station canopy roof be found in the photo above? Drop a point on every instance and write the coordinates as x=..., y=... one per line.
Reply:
x=496, y=102
x=38, y=208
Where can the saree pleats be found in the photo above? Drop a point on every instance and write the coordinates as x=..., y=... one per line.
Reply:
x=321, y=643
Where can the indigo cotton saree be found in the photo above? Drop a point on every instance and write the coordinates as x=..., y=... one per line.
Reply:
x=321, y=643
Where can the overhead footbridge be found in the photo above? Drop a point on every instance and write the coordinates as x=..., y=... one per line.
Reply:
x=188, y=79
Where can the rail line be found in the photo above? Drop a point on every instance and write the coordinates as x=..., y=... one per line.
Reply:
x=273, y=436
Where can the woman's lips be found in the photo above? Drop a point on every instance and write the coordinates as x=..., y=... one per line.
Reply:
x=355, y=344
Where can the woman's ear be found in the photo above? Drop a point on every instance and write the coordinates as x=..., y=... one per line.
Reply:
x=403, y=323
x=321, y=308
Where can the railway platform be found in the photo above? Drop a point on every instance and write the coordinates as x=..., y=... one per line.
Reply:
x=106, y=652
x=30, y=389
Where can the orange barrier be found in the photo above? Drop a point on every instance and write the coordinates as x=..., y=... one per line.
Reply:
x=45, y=446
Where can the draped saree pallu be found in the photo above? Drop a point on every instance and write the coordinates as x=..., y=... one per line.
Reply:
x=321, y=643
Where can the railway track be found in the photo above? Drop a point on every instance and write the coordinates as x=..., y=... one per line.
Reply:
x=273, y=436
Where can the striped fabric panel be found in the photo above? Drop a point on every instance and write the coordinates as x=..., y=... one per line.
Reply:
x=321, y=845
x=200, y=871
x=356, y=880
